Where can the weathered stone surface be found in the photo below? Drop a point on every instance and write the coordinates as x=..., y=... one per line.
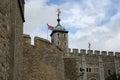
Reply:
x=11, y=30
x=43, y=61
x=19, y=60
x=96, y=67
x=4, y=43
x=70, y=67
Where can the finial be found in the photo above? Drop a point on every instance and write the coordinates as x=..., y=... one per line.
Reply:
x=89, y=45
x=59, y=12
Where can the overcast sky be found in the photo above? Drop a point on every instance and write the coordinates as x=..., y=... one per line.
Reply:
x=94, y=21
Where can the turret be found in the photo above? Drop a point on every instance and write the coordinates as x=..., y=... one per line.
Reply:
x=59, y=35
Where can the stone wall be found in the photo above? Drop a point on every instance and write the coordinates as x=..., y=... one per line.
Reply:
x=18, y=40
x=93, y=64
x=42, y=61
x=11, y=30
x=97, y=64
x=71, y=71
x=76, y=52
x=4, y=42
x=109, y=65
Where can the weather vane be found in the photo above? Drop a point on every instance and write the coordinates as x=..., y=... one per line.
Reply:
x=89, y=45
x=59, y=12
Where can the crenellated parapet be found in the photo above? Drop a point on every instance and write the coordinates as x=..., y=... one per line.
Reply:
x=117, y=53
x=83, y=51
x=27, y=39
x=110, y=53
x=72, y=52
x=90, y=52
x=96, y=52
x=104, y=53
x=77, y=52
x=37, y=41
x=41, y=42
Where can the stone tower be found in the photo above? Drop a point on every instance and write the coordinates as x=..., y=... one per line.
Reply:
x=11, y=36
x=59, y=36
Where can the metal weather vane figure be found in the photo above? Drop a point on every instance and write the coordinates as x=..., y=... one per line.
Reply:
x=89, y=45
x=58, y=13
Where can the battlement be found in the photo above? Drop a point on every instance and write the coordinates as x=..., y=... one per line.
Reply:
x=77, y=52
x=26, y=39
x=41, y=42
x=72, y=52
x=37, y=40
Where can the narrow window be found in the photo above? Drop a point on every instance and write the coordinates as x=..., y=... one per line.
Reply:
x=58, y=35
x=80, y=69
x=89, y=69
x=64, y=35
x=65, y=43
x=109, y=72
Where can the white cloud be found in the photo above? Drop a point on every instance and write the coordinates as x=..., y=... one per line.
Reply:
x=84, y=17
x=37, y=15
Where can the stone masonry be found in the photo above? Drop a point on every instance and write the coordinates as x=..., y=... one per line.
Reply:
x=43, y=61
x=11, y=47
x=97, y=65
x=19, y=60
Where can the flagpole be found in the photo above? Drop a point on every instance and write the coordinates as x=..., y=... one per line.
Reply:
x=47, y=33
x=50, y=28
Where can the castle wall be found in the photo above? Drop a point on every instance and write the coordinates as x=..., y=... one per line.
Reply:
x=43, y=61
x=19, y=60
x=70, y=67
x=108, y=62
x=92, y=66
x=18, y=42
x=95, y=63
x=11, y=26
x=4, y=42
